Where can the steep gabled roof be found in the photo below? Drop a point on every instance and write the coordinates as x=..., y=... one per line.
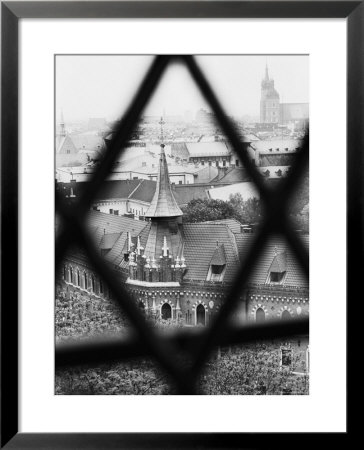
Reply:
x=218, y=258
x=66, y=145
x=279, y=263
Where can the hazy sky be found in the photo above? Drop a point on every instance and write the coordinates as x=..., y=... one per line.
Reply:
x=103, y=85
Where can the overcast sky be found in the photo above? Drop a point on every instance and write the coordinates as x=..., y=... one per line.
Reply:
x=102, y=86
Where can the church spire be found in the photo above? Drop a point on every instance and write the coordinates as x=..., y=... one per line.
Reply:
x=163, y=203
x=62, y=125
x=266, y=72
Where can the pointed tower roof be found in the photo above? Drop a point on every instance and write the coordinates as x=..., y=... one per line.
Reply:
x=163, y=203
x=62, y=125
x=266, y=72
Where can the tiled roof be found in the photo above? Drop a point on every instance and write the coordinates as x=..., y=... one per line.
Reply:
x=263, y=146
x=277, y=160
x=205, y=149
x=145, y=191
x=185, y=193
x=233, y=224
x=116, y=189
x=234, y=175
x=179, y=150
x=108, y=240
x=275, y=245
x=206, y=174
x=200, y=245
x=109, y=223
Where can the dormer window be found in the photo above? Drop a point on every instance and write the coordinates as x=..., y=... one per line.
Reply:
x=217, y=270
x=217, y=264
x=277, y=277
x=277, y=269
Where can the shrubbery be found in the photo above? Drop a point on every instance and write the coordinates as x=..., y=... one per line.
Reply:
x=252, y=370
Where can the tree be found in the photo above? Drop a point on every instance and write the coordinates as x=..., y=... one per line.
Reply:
x=202, y=210
x=249, y=211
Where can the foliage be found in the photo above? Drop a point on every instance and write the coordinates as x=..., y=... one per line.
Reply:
x=202, y=210
x=130, y=378
x=247, y=211
x=79, y=315
x=254, y=370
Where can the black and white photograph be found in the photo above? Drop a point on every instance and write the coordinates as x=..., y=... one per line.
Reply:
x=177, y=257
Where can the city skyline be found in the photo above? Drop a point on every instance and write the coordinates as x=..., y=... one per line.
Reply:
x=103, y=85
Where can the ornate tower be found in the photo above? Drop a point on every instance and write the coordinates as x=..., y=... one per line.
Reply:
x=162, y=258
x=269, y=101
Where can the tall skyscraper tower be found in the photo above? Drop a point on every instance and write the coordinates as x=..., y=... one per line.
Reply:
x=269, y=101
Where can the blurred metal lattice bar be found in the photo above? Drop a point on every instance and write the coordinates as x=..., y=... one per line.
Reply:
x=147, y=342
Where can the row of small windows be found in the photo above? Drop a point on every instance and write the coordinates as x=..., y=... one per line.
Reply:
x=82, y=280
x=117, y=211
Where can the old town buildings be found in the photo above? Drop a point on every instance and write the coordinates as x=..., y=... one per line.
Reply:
x=182, y=271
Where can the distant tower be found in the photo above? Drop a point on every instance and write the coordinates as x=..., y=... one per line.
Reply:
x=269, y=101
x=62, y=125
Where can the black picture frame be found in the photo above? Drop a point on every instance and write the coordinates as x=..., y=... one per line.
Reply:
x=11, y=12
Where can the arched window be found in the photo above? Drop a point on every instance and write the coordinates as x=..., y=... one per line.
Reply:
x=92, y=283
x=78, y=278
x=65, y=273
x=71, y=275
x=260, y=315
x=101, y=287
x=285, y=315
x=85, y=280
x=166, y=311
x=141, y=306
x=200, y=315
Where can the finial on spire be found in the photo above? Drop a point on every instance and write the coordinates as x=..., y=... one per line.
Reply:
x=161, y=123
x=266, y=71
x=139, y=247
x=165, y=248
